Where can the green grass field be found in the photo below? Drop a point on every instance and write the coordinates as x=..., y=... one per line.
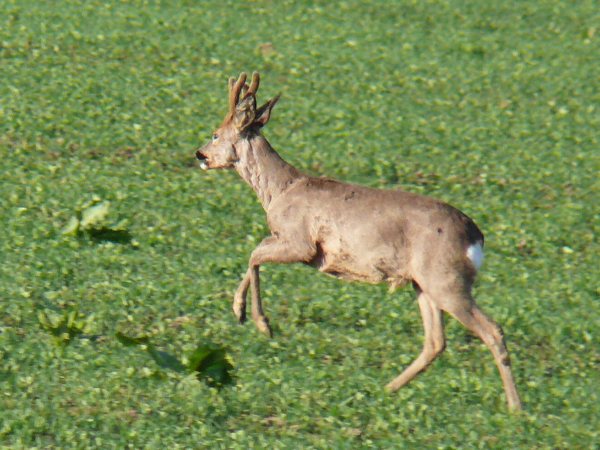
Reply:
x=493, y=106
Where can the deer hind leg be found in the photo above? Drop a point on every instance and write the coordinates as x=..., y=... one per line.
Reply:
x=466, y=311
x=432, y=347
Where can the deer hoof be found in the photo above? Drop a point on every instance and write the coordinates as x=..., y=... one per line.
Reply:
x=262, y=323
x=239, y=310
x=392, y=387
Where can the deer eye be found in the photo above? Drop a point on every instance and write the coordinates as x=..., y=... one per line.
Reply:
x=215, y=137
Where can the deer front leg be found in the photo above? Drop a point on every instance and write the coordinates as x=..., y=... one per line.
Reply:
x=239, y=299
x=276, y=250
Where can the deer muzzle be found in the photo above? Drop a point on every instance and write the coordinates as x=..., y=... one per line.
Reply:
x=203, y=160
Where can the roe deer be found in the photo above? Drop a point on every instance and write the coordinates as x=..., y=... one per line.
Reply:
x=355, y=233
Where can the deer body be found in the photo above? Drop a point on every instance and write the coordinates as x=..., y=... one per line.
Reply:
x=356, y=233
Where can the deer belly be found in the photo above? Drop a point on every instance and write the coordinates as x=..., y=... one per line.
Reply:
x=346, y=268
x=359, y=260
x=351, y=274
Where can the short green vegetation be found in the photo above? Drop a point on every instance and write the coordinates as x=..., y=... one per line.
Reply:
x=119, y=258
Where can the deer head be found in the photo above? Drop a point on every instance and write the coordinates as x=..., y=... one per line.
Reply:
x=243, y=121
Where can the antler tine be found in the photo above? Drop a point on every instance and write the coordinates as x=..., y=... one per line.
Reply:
x=254, y=85
x=244, y=90
x=234, y=93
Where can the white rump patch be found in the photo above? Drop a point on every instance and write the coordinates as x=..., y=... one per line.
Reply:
x=475, y=254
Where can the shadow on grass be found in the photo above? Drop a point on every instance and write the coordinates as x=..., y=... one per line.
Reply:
x=106, y=234
x=90, y=222
x=208, y=362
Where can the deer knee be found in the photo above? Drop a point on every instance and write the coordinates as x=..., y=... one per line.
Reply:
x=435, y=347
x=440, y=346
x=500, y=345
x=497, y=331
x=505, y=358
x=503, y=355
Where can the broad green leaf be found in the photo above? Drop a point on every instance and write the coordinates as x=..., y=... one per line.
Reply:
x=72, y=227
x=211, y=364
x=94, y=215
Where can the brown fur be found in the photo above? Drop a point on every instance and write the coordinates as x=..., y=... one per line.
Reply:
x=355, y=233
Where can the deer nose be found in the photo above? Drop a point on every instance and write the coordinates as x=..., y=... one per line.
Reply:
x=200, y=155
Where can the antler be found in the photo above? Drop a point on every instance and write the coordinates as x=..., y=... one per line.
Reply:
x=254, y=85
x=235, y=87
x=239, y=89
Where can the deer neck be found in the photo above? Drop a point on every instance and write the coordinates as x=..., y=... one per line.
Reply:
x=264, y=170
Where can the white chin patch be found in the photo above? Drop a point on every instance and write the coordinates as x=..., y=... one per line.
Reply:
x=203, y=166
x=475, y=254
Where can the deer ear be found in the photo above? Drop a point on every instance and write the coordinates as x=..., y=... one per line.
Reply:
x=245, y=112
x=263, y=114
